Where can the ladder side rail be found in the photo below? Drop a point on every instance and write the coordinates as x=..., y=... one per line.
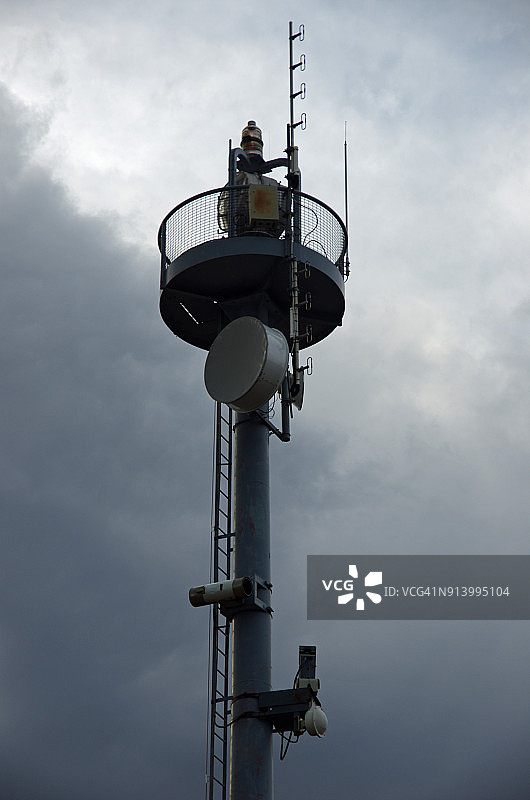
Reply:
x=220, y=643
x=226, y=626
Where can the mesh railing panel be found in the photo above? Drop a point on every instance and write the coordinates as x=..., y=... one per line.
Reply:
x=320, y=229
x=220, y=213
x=192, y=223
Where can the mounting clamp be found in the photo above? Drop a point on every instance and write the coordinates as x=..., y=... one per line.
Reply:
x=285, y=708
x=256, y=600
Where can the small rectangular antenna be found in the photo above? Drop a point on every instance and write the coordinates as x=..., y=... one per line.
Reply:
x=307, y=661
x=307, y=667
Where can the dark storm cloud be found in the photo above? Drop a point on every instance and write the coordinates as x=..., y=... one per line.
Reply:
x=100, y=447
x=416, y=710
x=105, y=453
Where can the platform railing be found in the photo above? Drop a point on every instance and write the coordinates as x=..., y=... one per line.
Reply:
x=223, y=213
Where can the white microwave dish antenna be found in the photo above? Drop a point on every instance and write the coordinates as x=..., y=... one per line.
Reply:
x=246, y=364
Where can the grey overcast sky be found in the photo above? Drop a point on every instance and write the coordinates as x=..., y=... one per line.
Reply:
x=414, y=436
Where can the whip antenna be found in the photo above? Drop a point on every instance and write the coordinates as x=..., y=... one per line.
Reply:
x=347, y=264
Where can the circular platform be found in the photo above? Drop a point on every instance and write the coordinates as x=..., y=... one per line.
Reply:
x=217, y=281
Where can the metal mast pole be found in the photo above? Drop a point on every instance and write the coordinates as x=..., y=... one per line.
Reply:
x=251, y=738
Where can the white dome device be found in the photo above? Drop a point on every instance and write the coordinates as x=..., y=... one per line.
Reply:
x=316, y=722
x=246, y=364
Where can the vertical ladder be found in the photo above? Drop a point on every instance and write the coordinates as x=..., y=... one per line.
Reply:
x=218, y=727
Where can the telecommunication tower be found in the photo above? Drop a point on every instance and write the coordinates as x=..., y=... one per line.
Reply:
x=253, y=272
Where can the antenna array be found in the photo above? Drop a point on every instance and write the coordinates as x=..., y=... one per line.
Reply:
x=293, y=233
